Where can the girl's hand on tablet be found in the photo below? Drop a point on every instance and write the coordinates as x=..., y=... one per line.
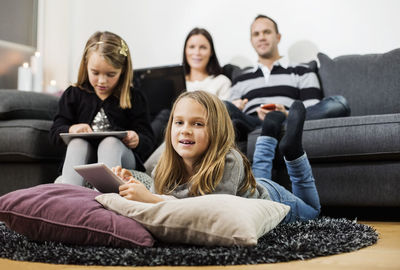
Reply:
x=131, y=140
x=137, y=191
x=80, y=128
x=122, y=173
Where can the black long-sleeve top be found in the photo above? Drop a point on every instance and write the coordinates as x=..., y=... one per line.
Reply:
x=81, y=106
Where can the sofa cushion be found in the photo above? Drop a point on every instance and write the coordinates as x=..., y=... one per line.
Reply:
x=370, y=83
x=357, y=138
x=217, y=219
x=16, y=104
x=27, y=140
x=69, y=214
x=371, y=137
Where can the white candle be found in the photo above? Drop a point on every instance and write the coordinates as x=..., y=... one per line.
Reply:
x=37, y=72
x=24, y=77
x=52, y=88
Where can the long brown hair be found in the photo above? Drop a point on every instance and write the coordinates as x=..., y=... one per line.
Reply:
x=209, y=169
x=115, y=51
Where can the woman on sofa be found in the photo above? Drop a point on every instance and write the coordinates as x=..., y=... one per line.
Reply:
x=201, y=65
x=103, y=100
x=202, y=72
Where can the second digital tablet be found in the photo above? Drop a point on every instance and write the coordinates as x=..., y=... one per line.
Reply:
x=100, y=176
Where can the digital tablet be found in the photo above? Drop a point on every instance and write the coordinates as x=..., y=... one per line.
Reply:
x=92, y=135
x=101, y=177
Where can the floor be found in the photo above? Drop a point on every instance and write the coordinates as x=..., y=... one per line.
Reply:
x=383, y=255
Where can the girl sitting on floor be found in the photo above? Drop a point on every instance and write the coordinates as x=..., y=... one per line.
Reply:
x=103, y=99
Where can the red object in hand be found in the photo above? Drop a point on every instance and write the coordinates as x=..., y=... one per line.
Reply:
x=270, y=107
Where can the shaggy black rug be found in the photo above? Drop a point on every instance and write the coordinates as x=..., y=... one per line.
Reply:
x=296, y=241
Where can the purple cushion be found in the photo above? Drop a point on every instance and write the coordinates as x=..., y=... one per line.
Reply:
x=69, y=214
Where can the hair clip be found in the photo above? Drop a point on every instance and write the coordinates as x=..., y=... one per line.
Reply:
x=99, y=42
x=124, y=48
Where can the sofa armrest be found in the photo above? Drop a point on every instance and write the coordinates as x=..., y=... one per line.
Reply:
x=15, y=104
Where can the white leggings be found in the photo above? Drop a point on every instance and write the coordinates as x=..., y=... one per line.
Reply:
x=110, y=151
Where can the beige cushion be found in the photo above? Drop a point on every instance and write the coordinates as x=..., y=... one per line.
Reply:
x=223, y=220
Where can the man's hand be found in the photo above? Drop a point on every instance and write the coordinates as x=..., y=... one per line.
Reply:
x=240, y=103
x=80, y=128
x=261, y=113
x=280, y=107
x=131, y=139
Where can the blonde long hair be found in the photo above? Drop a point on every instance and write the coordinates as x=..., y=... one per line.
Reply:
x=209, y=169
x=115, y=51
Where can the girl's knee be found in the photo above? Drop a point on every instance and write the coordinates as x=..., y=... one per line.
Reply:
x=110, y=142
x=78, y=142
x=78, y=146
x=110, y=147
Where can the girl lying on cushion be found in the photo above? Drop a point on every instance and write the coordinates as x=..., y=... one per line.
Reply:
x=200, y=158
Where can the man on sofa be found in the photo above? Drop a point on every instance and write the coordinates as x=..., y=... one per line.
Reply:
x=274, y=81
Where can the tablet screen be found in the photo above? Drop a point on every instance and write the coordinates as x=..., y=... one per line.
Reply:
x=100, y=176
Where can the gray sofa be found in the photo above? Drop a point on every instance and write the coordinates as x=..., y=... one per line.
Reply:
x=26, y=156
x=356, y=159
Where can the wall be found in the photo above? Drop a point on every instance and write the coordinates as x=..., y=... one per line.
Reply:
x=155, y=29
x=18, y=21
x=17, y=38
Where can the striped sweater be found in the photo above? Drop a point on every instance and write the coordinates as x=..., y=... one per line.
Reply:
x=282, y=85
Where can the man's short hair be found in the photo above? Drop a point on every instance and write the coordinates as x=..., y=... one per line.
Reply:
x=261, y=16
